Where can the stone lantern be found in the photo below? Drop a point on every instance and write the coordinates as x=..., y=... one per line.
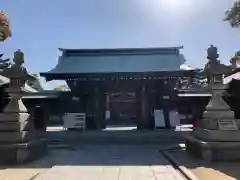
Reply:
x=217, y=136
x=19, y=141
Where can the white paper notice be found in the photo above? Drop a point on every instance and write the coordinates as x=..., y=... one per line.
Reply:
x=159, y=118
x=107, y=115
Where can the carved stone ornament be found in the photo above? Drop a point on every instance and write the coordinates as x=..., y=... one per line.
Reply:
x=214, y=70
x=212, y=53
x=18, y=76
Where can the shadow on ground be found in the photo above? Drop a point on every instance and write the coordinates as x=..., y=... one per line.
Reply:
x=206, y=171
x=100, y=155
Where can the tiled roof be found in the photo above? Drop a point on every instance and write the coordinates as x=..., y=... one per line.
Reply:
x=5, y=80
x=228, y=79
x=186, y=67
x=115, y=63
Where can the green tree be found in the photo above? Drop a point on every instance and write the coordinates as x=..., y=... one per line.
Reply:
x=233, y=14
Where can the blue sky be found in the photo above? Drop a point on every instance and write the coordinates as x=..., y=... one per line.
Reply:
x=41, y=27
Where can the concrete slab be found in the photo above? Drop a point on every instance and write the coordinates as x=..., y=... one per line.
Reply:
x=97, y=162
x=207, y=171
x=113, y=162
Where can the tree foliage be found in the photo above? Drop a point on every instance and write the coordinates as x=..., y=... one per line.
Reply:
x=233, y=14
x=5, y=29
x=4, y=63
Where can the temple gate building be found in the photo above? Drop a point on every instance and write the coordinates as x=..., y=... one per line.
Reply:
x=119, y=86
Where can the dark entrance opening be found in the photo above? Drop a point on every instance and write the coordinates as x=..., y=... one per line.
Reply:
x=122, y=109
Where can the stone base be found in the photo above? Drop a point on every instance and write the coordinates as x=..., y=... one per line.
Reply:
x=22, y=152
x=213, y=151
x=216, y=135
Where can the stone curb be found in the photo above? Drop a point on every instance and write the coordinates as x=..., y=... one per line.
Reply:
x=186, y=173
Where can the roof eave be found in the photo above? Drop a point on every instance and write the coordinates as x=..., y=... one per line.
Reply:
x=49, y=76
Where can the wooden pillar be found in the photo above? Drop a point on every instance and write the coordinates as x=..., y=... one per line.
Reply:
x=143, y=120
x=90, y=111
x=143, y=107
x=196, y=112
x=2, y=97
x=107, y=101
x=138, y=108
x=166, y=101
x=107, y=116
x=99, y=109
x=96, y=107
x=151, y=106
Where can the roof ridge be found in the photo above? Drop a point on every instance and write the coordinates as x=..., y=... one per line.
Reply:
x=121, y=49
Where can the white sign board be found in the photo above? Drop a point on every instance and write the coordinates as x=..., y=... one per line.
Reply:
x=159, y=118
x=74, y=120
x=174, y=119
x=107, y=115
x=227, y=125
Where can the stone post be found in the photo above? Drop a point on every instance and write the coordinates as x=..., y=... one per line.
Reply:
x=19, y=142
x=217, y=136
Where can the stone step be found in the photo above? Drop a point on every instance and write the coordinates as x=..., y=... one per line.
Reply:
x=17, y=137
x=119, y=137
x=22, y=152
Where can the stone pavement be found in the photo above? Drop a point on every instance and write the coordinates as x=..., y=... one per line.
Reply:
x=29, y=171
x=112, y=162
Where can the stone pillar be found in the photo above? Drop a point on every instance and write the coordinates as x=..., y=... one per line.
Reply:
x=18, y=139
x=217, y=136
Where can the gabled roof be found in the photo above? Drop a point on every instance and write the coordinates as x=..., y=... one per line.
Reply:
x=186, y=67
x=228, y=79
x=3, y=80
x=118, y=60
x=41, y=95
